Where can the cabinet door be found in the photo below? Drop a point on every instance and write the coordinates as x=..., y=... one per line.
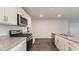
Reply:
x=20, y=11
x=73, y=46
x=57, y=43
x=64, y=44
x=11, y=15
x=29, y=22
x=61, y=43
x=1, y=14
x=25, y=15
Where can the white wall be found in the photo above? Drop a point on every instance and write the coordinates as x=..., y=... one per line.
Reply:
x=4, y=29
x=42, y=28
x=74, y=27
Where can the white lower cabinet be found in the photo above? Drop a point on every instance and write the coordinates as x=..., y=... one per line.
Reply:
x=57, y=42
x=61, y=43
x=73, y=46
x=66, y=45
x=11, y=15
x=20, y=47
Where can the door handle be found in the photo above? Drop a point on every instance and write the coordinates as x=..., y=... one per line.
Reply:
x=69, y=49
x=57, y=40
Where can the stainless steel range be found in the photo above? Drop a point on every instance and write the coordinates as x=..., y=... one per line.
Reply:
x=19, y=33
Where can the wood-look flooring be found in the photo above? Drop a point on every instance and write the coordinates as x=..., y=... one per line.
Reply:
x=44, y=45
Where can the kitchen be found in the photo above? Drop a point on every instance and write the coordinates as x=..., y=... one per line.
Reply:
x=14, y=34
x=39, y=29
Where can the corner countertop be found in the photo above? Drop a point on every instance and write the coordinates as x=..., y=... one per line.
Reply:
x=73, y=39
x=7, y=43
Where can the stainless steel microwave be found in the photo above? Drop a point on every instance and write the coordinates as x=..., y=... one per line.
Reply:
x=21, y=21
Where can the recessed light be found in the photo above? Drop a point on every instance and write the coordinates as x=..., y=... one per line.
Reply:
x=58, y=15
x=41, y=15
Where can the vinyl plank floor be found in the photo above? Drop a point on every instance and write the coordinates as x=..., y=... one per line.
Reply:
x=43, y=45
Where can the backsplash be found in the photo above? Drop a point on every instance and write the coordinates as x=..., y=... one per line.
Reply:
x=4, y=29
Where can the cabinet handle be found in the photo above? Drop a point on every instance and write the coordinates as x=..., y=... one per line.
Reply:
x=69, y=49
x=57, y=40
x=70, y=44
x=23, y=14
x=5, y=19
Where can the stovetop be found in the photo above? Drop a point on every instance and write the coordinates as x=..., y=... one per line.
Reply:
x=21, y=35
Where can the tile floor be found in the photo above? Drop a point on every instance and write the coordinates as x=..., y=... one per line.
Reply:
x=43, y=45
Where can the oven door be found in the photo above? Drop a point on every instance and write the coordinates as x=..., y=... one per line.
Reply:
x=29, y=44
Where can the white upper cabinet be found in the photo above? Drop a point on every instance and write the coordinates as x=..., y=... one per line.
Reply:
x=8, y=15
x=1, y=15
x=11, y=15
x=25, y=15
x=19, y=10
x=29, y=22
x=28, y=19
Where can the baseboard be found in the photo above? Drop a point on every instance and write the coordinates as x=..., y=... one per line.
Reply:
x=42, y=38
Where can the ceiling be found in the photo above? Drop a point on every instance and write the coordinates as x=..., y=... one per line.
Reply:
x=52, y=12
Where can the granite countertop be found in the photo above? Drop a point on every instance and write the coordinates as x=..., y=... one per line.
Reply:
x=7, y=43
x=70, y=38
